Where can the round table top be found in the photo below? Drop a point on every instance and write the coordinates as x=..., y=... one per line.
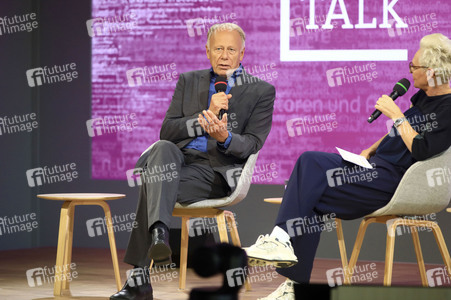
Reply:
x=273, y=200
x=81, y=196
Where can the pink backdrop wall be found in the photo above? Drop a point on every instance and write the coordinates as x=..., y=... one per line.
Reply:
x=139, y=48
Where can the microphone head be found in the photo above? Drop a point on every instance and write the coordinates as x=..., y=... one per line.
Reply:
x=402, y=86
x=221, y=84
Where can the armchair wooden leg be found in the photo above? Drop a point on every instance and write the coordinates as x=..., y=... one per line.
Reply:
x=389, y=251
x=342, y=247
x=183, y=252
x=222, y=228
x=357, y=246
x=419, y=254
x=230, y=219
x=62, y=244
x=442, y=246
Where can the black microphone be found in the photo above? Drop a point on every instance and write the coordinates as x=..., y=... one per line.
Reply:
x=400, y=88
x=221, y=86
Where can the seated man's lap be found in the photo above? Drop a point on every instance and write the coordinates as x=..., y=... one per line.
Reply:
x=198, y=181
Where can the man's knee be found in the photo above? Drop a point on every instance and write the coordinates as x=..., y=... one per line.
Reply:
x=164, y=150
x=163, y=145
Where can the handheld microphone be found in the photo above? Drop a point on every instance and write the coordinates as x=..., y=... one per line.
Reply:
x=221, y=86
x=400, y=88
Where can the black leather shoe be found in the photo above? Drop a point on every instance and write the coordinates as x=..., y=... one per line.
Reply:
x=137, y=286
x=159, y=250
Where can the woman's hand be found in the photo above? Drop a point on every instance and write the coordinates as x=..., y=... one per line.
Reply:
x=388, y=107
x=367, y=153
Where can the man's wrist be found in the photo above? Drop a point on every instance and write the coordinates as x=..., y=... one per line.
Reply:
x=223, y=139
x=226, y=142
x=215, y=113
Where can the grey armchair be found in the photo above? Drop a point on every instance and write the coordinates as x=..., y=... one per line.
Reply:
x=424, y=189
x=213, y=208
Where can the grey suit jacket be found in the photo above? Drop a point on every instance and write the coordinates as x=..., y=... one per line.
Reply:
x=250, y=117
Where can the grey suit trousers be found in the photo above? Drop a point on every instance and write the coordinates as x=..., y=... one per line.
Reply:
x=172, y=175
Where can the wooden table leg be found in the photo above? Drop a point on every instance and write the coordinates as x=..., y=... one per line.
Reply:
x=68, y=251
x=62, y=244
x=110, y=230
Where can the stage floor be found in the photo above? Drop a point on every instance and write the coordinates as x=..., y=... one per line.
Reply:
x=94, y=277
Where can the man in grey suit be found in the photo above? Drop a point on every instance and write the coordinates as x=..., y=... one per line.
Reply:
x=199, y=144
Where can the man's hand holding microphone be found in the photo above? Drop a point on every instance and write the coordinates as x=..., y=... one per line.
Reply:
x=214, y=120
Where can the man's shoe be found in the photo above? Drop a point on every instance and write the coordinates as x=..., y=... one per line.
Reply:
x=270, y=251
x=285, y=291
x=159, y=250
x=137, y=286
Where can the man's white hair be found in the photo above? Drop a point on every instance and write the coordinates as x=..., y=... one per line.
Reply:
x=436, y=54
x=226, y=26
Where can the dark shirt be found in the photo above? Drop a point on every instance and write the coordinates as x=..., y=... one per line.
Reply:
x=431, y=118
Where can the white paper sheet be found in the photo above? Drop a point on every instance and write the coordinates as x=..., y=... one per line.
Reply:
x=355, y=158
